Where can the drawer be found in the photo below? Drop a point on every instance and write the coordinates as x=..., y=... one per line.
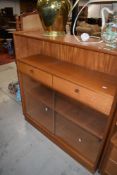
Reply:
x=37, y=74
x=39, y=112
x=83, y=142
x=111, y=167
x=95, y=100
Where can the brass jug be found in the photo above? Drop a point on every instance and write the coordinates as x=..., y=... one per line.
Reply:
x=54, y=15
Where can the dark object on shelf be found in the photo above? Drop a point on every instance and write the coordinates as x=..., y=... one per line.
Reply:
x=94, y=21
x=74, y=14
x=4, y=34
x=7, y=11
x=10, y=46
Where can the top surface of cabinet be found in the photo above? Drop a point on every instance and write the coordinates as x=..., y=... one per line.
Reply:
x=68, y=40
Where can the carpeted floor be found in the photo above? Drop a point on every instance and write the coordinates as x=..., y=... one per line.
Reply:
x=6, y=58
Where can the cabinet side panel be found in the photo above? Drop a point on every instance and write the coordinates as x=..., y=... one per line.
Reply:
x=21, y=49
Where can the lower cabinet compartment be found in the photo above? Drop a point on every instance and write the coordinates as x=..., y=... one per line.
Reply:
x=83, y=116
x=86, y=144
x=38, y=102
x=41, y=114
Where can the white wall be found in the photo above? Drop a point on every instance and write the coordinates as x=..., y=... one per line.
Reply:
x=82, y=2
x=15, y=4
x=94, y=9
x=115, y=6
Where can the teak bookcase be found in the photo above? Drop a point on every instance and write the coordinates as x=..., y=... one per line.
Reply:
x=68, y=92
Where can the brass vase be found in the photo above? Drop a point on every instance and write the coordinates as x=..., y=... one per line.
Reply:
x=54, y=15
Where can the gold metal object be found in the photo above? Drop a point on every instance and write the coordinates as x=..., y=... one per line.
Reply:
x=54, y=15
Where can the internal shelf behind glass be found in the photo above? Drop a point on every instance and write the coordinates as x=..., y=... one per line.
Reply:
x=39, y=91
x=87, y=118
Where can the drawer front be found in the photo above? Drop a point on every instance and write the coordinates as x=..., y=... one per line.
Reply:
x=111, y=168
x=83, y=142
x=98, y=101
x=36, y=74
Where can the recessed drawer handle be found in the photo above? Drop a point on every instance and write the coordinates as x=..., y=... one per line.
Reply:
x=79, y=140
x=76, y=90
x=46, y=109
x=31, y=71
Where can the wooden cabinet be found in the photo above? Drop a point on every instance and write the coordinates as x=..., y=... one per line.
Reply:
x=70, y=102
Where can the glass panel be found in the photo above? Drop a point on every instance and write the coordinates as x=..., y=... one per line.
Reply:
x=38, y=102
x=90, y=120
x=77, y=138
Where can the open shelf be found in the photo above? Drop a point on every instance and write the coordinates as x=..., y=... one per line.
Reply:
x=90, y=120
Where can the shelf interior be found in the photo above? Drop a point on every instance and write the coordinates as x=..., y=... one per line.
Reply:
x=90, y=120
x=38, y=91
